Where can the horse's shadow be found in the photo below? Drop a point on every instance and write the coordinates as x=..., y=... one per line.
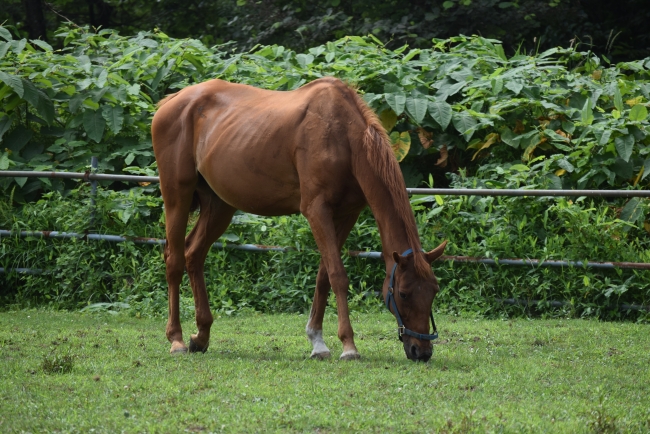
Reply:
x=392, y=359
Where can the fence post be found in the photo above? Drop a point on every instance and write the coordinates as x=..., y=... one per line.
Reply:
x=93, y=190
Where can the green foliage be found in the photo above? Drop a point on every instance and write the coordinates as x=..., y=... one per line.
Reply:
x=570, y=120
x=538, y=228
x=616, y=29
x=96, y=97
x=107, y=276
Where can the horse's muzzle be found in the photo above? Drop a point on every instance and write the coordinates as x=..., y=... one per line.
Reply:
x=416, y=353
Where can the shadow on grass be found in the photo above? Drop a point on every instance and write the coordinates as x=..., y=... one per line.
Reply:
x=390, y=359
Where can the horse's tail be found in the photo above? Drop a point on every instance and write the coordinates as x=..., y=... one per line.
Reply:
x=383, y=162
x=165, y=100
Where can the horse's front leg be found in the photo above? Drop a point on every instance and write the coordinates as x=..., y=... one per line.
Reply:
x=330, y=235
x=343, y=225
x=214, y=218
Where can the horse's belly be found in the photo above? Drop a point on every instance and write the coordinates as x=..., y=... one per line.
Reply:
x=261, y=201
x=255, y=188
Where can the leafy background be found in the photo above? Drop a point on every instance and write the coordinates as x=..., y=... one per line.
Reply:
x=460, y=113
x=616, y=29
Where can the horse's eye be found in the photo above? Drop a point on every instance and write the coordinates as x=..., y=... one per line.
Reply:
x=402, y=295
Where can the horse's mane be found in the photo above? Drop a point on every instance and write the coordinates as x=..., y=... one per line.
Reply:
x=381, y=158
x=165, y=99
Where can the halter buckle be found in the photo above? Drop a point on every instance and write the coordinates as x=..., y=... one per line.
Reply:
x=400, y=330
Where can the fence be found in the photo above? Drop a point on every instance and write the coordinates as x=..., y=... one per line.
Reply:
x=94, y=177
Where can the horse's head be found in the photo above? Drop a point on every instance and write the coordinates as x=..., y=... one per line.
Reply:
x=409, y=296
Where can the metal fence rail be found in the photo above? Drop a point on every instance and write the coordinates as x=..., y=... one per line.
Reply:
x=528, y=193
x=89, y=176
x=353, y=253
x=93, y=177
x=86, y=176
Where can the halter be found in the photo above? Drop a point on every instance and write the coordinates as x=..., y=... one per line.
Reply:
x=390, y=300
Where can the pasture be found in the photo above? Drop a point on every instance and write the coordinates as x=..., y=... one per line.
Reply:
x=73, y=372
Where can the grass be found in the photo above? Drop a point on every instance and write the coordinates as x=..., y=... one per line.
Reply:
x=115, y=374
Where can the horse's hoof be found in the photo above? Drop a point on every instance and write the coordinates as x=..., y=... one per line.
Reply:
x=178, y=350
x=194, y=348
x=350, y=355
x=320, y=356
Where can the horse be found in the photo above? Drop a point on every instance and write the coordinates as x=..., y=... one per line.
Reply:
x=318, y=150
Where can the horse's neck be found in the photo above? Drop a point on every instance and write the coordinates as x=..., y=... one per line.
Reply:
x=380, y=179
x=392, y=226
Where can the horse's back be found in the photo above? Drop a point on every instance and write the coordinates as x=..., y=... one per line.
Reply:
x=259, y=149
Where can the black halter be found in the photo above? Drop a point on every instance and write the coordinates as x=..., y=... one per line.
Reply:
x=390, y=300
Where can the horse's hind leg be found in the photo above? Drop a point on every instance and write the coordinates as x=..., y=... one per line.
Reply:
x=214, y=218
x=314, y=329
x=178, y=200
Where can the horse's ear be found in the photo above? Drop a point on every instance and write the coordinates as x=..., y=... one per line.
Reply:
x=399, y=260
x=435, y=253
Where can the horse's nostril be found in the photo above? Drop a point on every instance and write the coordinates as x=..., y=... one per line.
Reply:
x=414, y=351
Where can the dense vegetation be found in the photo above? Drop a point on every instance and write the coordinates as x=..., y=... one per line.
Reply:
x=616, y=29
x=459, y=104
x=461, y=113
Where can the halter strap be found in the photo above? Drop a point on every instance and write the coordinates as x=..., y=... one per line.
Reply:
x=390, y=301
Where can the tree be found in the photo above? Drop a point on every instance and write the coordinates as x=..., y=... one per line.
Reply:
x=616, y=29
x=35, y=19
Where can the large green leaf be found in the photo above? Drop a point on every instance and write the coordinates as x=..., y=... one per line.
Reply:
x=13, y=82
x=388, y=119
x=39, y=100
x=4, y=47
x=564, y=164
x=622, y=168
x=625, y=146
x=604, y=138
x=514, y=86
x=416, y=107
x=449, y=90
x=304, y=59
x=587, y=113
x=101, y=80
x=94, y=124
x=5, y=34
x=4, y=161
x=440, y=111
x=17, y=138
x=396, y=101
x=114, y=116
x=18, y=46
x=497, y=84
x=509, y=138
x=556, y=138
x=638, y=113
x=618, y=99
x=5, y=123
x=464, y=124
x=44, y=45
x=632, y=211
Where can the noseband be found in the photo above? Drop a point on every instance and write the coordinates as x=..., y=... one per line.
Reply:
x=390, y=300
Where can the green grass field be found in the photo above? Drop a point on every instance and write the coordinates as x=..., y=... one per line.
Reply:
x=485, y=376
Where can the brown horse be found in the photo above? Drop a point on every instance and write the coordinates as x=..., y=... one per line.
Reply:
x=318, y=150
